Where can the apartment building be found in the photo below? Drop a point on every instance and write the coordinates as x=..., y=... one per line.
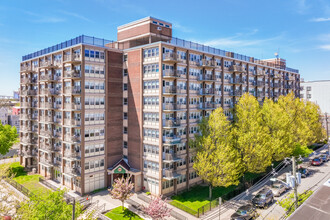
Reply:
x=94, y=110
x=317, y=92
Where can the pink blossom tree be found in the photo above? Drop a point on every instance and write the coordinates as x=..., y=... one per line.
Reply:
x=157, y=208
x=121, y=190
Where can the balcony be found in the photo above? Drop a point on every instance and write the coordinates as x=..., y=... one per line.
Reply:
x=278, y=75
x=195, y=62
x=171, y=139
x=170, y=174
x=238, y=81
x=75, y=122
x=48, y=119
x=237, y=93
x=228, y=93
x=26, y=128
x=171, y=123
x=28, y=92
x=26, y=68
x=171, y=74
x=261, y=73
x=75, y=74
x=29, y=80
x=173, y=107
x=72, y=58
x=260, y=83
x=74, y=171
x=228, y=80
x=170, y=57
x=47, y=134
x=276, y=85
x=48, y=162
x=25, y=116
x=228, y=105
x=75, y=139
x=28, y=153
x=75, y=90
x=236, y=68
x=171, y=157
x=173, y=90
x=207, y=63
x=217, y=105
x=26, y=104
x=29, y=140
x=72, y=154
x=46, y=63
x=49, y=78
x=207, y=77
x=46, y=147
x=207, y=91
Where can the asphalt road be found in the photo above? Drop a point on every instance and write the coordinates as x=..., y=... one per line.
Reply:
x=274, y=211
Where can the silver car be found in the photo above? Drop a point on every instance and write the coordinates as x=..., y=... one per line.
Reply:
x=278, y=189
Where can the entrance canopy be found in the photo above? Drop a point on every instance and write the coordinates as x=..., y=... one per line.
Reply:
x=122, y=167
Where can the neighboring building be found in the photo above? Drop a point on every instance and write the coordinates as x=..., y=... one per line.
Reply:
x=318, y=92
x=94, y=110
x=4, y=113
x=16, y=95
x=16, y=110
x=8, y=118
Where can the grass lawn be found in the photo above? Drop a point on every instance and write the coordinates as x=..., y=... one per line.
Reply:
x=31, y=182
x=197, y=197
x=117, y=213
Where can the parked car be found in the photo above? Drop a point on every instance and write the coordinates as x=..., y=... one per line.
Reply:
x=324, y=157
x=316, y=161
x=263, y=198
x=278, y=189
x=244, y=212
x=304, y=172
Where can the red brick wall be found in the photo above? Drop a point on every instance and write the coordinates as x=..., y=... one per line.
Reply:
x=143, y=29
x=114, y=112
x=134, y=109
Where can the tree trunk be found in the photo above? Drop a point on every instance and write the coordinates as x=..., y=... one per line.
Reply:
x=122, y=206
x=210, y=192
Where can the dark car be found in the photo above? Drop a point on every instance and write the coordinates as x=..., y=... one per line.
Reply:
x=304, y=172
x=263, y=198
x=316, y=161
x=244, y=212
x=324, y=157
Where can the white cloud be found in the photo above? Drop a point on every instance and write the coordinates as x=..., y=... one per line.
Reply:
x=234, y=42
x=320, y=19
x=177, y=26
x=44, y=19
x=325, y=47
x=81, y=17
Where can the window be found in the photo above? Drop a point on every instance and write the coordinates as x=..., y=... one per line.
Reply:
x=125, y=144
x=125, y=86
x=125, y=115
x=125, y=101
x=125, y=57
x=309, y=88
x=125, y=130
x=309, y=96
x=125, y=72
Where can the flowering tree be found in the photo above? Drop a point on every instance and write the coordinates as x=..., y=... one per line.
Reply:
x=157, y=208
x=121, y=190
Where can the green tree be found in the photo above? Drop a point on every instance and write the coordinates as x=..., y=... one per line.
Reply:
x=217, y=161
x=50, y=207
x=253, y=140
x=8, y=137
x=288, y=202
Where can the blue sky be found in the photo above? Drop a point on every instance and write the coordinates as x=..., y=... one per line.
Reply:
x=298, y=29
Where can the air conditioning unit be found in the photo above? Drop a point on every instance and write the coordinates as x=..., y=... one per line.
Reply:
x=159, y=28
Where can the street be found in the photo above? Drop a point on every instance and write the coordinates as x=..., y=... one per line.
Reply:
x=317, y=177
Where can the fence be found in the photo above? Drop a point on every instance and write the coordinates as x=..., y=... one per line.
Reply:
x=19, y=187
x=84, y=201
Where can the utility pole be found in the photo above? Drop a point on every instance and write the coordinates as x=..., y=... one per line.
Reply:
x=326, y=124
x=295, y=183
x=219, y=206
x=73, y=209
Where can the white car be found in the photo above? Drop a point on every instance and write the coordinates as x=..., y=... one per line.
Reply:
x=278, y=189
